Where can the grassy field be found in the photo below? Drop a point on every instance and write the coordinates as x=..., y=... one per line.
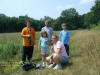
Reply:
x=84, y=54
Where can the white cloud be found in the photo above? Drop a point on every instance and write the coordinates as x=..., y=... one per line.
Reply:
x=62, y=7
x=86, y=1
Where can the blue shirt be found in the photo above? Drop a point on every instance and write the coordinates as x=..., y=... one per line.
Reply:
x=42, y=40
x=64, y=35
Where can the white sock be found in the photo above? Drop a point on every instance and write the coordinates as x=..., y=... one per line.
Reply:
x=46, y=62
x=59, y=65
x=53, y=63
x=43, y=63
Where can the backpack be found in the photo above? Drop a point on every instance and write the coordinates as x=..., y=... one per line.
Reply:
x=28, y=67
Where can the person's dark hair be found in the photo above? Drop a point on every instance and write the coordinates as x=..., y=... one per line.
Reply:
x=43, y=31
x=63, y=24
x=29, y=21
x=55, y=36
x=47, y=21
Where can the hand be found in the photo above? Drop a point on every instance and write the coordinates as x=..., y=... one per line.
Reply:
x=45, y=41
x=34, y=43
x=29, y=36
x=68, y=44
x=51, y=48
x=51, y=42
x=51, y=59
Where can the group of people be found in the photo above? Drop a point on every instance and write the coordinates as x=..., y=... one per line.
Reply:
x=53, y=50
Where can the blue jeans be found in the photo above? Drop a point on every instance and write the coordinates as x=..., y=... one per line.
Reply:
x=64, y=59
x=67, y=49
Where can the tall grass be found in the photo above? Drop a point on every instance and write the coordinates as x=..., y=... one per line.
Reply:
x=8, y=51
x=84, y=54
x=86, y=46
x=9, y=45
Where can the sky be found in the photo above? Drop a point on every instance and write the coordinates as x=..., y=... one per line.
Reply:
x=37, y=9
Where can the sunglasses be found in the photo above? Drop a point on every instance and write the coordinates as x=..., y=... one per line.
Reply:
x=53, y=38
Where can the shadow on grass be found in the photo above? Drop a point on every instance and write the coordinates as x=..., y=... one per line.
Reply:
x=67, y=64
x=37, y=60
x=75, y=56
x=70, y=63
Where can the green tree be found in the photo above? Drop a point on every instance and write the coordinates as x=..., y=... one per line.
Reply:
x=96, y=11
x=71, y=18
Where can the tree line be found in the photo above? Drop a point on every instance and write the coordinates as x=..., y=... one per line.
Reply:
x=69, y=16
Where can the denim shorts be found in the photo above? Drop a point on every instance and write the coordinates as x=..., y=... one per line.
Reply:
x=44, y=50
x=64, y=59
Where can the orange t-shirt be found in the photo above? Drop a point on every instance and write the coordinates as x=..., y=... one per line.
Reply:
x=27, y=31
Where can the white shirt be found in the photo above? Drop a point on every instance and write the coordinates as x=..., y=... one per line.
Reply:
x=49, y=31
x=60, y=45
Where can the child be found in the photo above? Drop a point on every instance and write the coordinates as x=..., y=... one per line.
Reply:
x=43, y=42
x=64, y=36
x=28, y=35
x=48, y=29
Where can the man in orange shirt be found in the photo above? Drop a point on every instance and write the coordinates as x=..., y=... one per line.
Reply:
x=28, y=35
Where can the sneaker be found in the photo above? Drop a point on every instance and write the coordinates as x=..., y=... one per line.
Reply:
x=30, y=62
x=22, y=62
x=46, y=64
x=43, y=63
x=58, y=66
x=51, y=65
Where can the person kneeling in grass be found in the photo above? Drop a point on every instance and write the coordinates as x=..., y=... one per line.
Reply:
x=58, y=54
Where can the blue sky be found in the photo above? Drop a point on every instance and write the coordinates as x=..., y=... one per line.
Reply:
x=39, y=8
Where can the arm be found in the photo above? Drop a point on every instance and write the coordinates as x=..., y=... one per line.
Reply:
x=34, y=34
x=59, y=39
x=69, y=38
x=58, y=51
x=51, y=50
x=39, y=45
x=60, y=36
x=68, y=41
x=46, y=42
x=25, y=36
x=51, y=53
x=58, y=47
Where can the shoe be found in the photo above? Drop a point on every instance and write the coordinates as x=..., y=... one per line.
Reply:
x=30, y=62
x=51, y=65
x=22, y=62
x=58, y=66
x=46, y=64
x=43, y=63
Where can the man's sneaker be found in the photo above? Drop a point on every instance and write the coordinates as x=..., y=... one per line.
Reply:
x=58, y=66
x=22, y=62
x=51, y=65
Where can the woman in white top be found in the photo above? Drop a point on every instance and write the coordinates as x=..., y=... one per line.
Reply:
x=58, y=54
